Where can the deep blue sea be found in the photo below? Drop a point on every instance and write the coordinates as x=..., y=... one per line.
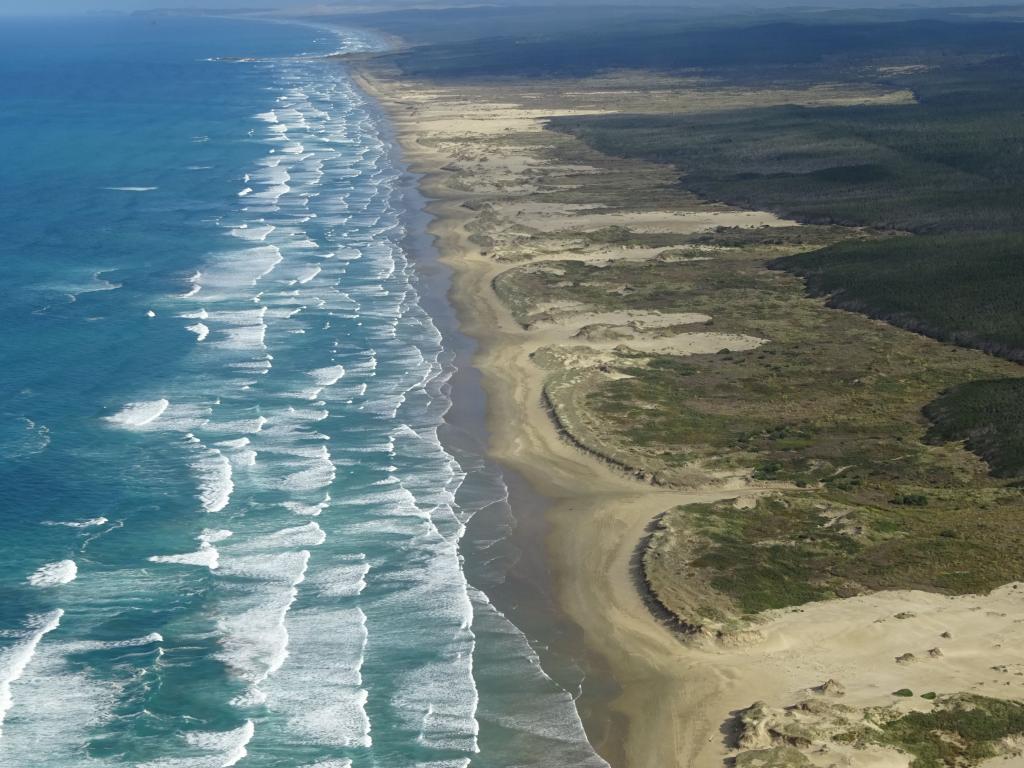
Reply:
x=231, y=535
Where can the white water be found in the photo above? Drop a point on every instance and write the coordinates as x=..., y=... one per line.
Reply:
x=54, y=574
x=15, y=659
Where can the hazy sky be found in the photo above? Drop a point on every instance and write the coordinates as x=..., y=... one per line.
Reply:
x=35, y=7
x=65, y=6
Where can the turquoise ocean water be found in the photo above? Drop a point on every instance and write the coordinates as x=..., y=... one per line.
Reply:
x=231, y=535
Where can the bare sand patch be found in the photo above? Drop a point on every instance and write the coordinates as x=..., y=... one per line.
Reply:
x=561, y=218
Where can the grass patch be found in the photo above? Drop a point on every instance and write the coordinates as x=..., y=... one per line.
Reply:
x=624, y=236
x=774, y=757
x=775, y=558
x=800, y=547
x=962, y=731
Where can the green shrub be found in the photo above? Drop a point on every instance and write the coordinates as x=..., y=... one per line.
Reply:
x=911, y=500
x=964, y=288
x=963, y=731
x=989, y=416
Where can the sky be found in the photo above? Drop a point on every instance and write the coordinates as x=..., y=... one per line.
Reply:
x=36, y=7
x=39, y=7
x=45, y=7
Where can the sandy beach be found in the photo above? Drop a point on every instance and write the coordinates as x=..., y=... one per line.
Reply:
x=676, y=700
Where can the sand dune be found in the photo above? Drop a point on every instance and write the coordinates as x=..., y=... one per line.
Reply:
x=676, y=698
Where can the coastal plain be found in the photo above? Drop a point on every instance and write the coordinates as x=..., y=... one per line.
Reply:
x=762, y=547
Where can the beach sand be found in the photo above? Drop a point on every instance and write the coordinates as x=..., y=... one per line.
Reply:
x=667, y=701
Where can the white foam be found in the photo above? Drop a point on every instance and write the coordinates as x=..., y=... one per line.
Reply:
x=238, y=316
x=245, y=192
x=215, y=484
x=206, y=556
x=243, y=337
x=212, y=535
x=319, y=689
x=442, y=697
x=234, y=445
x=233, y=269
x=240, y=329
x=347, y=580
x=308, y=414
x=239, y=452
x=200, y=330
x=54, y=574
x=255, y=639
x=244, y=426
x=288, y=568
x=15, y=659
x=134, y=642
x=319, y=474
x=259, y=366
x=131, y=189
x=308, y=535
x=257, y=233
x=139, y=414
x=308, y=275
x=96, y=284
x=220, y=749
x=231, y=743
x=309, y=510
x=92, y=522
x=327, y=377
x=179, y=417
x=192, y=291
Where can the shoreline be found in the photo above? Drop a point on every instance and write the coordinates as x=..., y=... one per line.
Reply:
x=524, y=592
x=592, y=574
x=523, y=588
x=650, y=698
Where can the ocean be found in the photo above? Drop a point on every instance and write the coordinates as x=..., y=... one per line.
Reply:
x=231, y=532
